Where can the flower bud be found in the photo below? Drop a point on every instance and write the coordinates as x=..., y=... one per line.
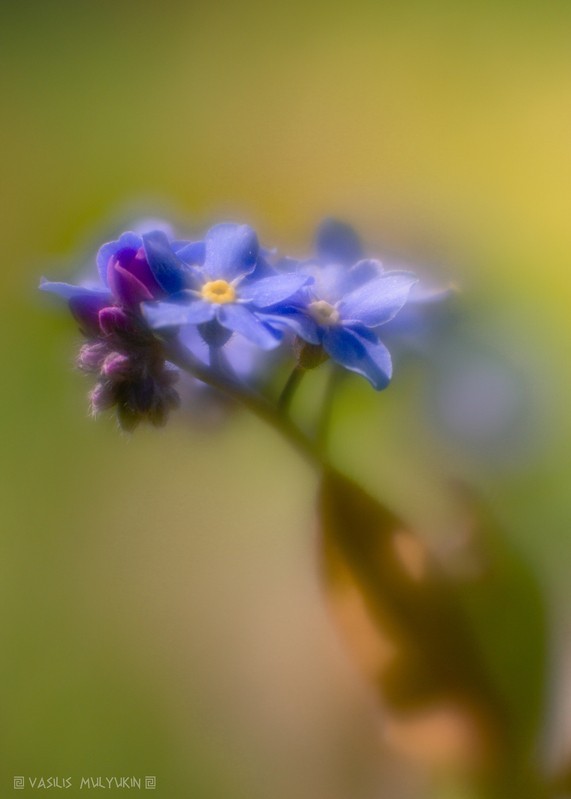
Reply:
x=308, y=356
x=102, y=397
x=116, y=365
x=114, y=320
x=91, y=356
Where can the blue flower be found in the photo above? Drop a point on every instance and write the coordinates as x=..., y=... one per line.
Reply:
x=231, y=289
x=121, y=350
x=131, y=269
x=348, y=300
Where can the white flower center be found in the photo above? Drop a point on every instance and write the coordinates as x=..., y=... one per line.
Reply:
x=324, y=313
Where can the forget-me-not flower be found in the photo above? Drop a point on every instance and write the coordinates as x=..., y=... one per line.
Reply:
x=230, y=289
x=349, y=299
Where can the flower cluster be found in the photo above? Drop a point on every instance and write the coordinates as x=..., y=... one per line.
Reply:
x=121, y=350
x=154, y=291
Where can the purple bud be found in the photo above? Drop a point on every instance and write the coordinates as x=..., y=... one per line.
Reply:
x=126, y=287
x=114, y=320
x=102, y=397
x=136, y=263
x=116, y=366
x=91, y=356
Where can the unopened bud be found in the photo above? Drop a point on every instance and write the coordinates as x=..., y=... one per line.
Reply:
x=116, y=365
x=102, y=397
x=309, y=356
x=91, y=356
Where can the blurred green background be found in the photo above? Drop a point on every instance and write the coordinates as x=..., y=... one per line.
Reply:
x=161, y=612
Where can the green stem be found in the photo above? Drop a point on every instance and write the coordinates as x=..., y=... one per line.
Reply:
x=257, y=404
x=290, y=388
x=324, y=422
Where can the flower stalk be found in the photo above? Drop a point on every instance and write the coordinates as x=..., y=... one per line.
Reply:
x=290, y=387
x=254, y=402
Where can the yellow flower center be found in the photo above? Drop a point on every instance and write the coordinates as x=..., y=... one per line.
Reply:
x=324, y=313
x=219, y=291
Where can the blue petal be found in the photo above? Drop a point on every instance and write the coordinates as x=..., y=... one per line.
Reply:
x=273, y=290
x=371, y=359
x=241, y=320
x=173, y=314
x=167, y=268
x=333, y=281
x=360, y=273
x=262, y=268
x=288, y=264
x=379, y=300
x=426, y=295
x=244, y=357
x=191, y=252
x=86, y=309
x=69, y=291
x=231, y=251
x=338, y=242
x=126, y=241
x=295, y=320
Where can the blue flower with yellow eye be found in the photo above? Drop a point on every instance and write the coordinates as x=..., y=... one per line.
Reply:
x=349, y=299
x=230, y=289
